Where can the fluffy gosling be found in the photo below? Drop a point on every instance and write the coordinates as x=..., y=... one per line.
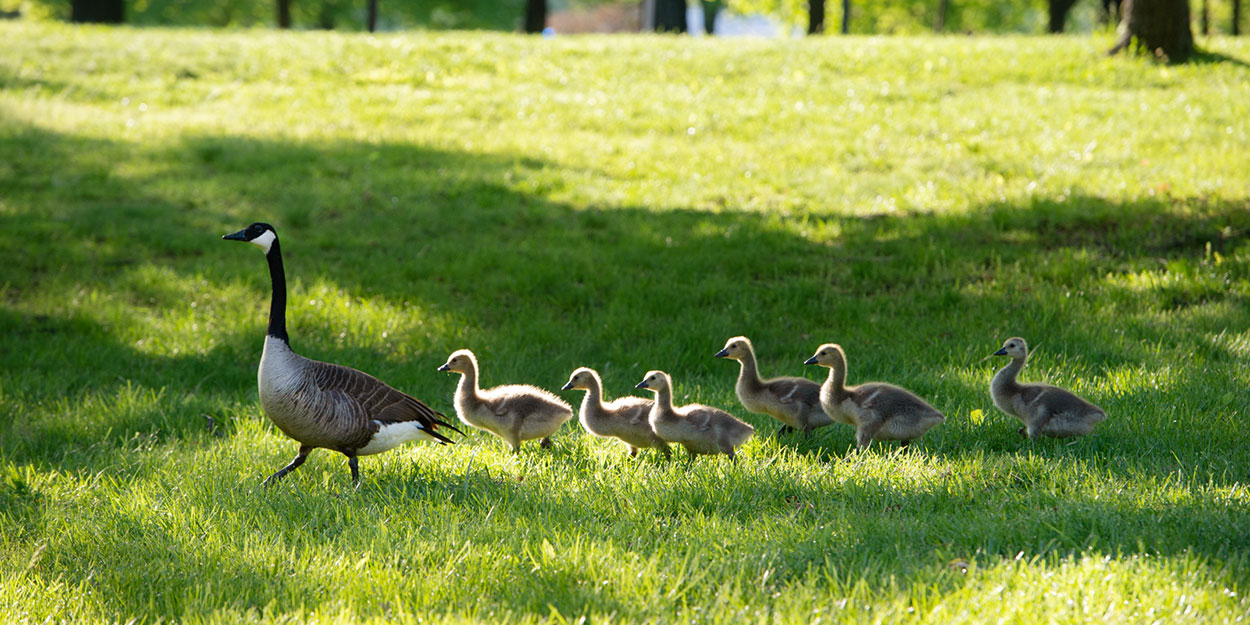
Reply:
x=514, y=413
x=795, y=402
x=700, y=429
x=1042, y=408
x=624, y=418
x=878, y=410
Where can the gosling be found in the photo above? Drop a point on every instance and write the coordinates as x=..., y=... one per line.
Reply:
x=514, y=413
x=624, y=418
x=1042, y=408
x=795, y=402
x=700, y=429
x=879, y=411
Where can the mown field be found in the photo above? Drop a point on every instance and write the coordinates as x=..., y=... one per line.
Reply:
x=625, y=203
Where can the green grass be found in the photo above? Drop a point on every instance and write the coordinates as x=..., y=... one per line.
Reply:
x=625, y=203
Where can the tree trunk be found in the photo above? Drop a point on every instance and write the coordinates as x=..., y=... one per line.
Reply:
x=846, y=17
x=284, y=13
x=371, y=18
x=1205, y=19
x=670, y=16
x=939, y=20
x=815, y=17
x=1059, y=15
x=1236, y=17
x=535, y=16
x=1160, y=26
x=97, y=11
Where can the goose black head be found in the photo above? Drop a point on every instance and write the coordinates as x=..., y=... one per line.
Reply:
x=261, y=235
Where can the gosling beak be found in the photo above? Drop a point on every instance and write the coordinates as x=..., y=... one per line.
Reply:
x=1001, y=352
x=445, y=367
x=810, y=361
x=642, y=384
x=238, y=236
x=568, y=386
x=722, y=353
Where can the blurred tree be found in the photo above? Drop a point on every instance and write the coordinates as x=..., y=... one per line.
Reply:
x=815, y=17
x=371, y=16
x=1159, y=26
x=98, y=11
x=939, y=21
x=670, y=16
x=1236, y=29
x=846, y=17
x=1058, y=15
x=535, y=16
x=284, y=13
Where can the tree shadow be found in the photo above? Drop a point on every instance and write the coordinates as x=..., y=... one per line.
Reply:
x=538, y=287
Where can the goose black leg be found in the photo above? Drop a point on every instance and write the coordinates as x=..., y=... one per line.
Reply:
x=304, y=450
x=354, y=465
x=785, y=430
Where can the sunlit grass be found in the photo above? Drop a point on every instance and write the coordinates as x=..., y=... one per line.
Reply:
x=625, y=203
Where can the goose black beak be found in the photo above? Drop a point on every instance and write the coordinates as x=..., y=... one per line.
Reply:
x=444, y=368
x=567, y=387
x=810, y=361
x=642, y=384
x=238, y=236
x=722, y=353
x=1001, y=352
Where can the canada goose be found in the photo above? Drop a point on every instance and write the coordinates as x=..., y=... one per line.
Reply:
x=700, y=429
x=878, y=410
x=624, y=418
x=1042, y=408
x=793, y=401
x=320, y=404
x=514, y=413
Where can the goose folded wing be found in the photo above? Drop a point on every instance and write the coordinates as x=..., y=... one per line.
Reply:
x=377, y=401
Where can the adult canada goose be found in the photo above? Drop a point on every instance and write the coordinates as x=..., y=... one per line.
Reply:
x=1042, y=408
x=700, y=429
x=624, y=418
x=321, y=404
x=795, y=402
x=878, y=410
x=514, y=413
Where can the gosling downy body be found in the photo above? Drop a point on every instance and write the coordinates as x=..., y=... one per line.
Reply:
x=1042, y=408
x=320, y=404
x=700, y=429
x=878, y=410
x=514, y=412
x=793, y=401
x=624, y=418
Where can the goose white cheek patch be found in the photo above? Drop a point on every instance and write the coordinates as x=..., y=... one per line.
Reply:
x=264, y=241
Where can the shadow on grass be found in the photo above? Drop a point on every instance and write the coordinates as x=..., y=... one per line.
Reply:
x=539, y=287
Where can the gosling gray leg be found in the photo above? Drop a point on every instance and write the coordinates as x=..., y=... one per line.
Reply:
x=866, y=431
x=545, y=442
x=304, y=450
x=785, y=429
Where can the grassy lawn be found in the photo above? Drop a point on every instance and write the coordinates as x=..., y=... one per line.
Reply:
x=625, y=203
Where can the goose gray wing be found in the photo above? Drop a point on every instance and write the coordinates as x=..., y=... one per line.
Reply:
x=372, y=403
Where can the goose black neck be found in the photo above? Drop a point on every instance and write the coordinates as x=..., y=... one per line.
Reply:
x=277, y=305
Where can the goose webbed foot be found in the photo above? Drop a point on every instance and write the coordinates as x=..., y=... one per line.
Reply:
x=294, y=464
